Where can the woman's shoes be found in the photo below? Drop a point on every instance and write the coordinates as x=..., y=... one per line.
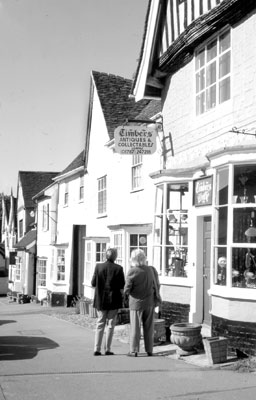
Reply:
x=132, y=354
x=150, y=354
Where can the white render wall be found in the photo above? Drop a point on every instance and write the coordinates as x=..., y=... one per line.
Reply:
x=210, y=131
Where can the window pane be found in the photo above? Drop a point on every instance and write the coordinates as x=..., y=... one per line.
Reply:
x=200, y=81
x=223, y=224
x=224, y=65
x=200, y=104
x=244, y=218
x=211, y=74
x=224, y=41
x=200, y=59
x=134, y=240
x=244, y=268
x=222, y=186
x=224, y=90
x=211, y=97
x=220, y=265
x=212, y=50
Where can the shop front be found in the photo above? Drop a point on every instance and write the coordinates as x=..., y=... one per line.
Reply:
x=204, y=244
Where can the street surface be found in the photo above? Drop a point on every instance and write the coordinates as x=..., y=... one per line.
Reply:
x=42, y=357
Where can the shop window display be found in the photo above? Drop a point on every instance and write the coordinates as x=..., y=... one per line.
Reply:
x=242, y=216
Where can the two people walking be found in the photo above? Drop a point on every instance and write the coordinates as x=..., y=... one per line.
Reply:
x=140, y=286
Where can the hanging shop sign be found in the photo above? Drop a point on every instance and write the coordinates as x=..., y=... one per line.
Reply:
x=203, y=191
x=135, y=140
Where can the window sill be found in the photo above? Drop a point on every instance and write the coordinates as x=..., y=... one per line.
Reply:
x=62, y=283
x=175, y=281
x=137, y=190
x=232, y=293
x=102, y=216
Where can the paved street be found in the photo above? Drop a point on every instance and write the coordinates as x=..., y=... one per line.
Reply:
x=43, y=357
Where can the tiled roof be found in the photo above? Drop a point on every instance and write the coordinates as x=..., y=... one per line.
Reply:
x=76, y=163
x=33, y=182
x=153, y=108
x=117, y=106
x=29, y=238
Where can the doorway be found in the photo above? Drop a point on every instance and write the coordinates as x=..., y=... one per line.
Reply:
x=207, y=223
x=78, y=260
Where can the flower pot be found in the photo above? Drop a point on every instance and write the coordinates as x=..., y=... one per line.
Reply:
x=186, y=336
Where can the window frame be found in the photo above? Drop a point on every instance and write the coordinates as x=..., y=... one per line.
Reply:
x=203, y=72
x=102, y=195
x=136, y=172
x=66, y=194
x=60, y=264
x=42, y=270
x=81, y=188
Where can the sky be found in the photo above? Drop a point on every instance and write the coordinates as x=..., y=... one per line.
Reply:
x=47, y=50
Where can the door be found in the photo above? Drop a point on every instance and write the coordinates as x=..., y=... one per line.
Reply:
x=206, y=269
x=78, y=260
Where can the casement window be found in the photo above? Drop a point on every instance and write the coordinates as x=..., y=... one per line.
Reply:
x=136, y=171
x=100, y=251
x=60, y=264
x=81, y=188
x=41, y=268
x=213, y=73
x=21, y=232
x=235, y=236
x=138, y=241
x=95, y=252
x=102, y=195
x=66, y=194
x=45, y=217
x=18, y=269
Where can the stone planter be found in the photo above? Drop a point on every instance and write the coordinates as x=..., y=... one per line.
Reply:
x=186, y=336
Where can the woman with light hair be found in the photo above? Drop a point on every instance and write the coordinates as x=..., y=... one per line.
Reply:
x=139, y=285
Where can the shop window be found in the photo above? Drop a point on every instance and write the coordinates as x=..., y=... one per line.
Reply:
x=236, y=209
x=212, y=72
x=95, y=252
x=171, y=229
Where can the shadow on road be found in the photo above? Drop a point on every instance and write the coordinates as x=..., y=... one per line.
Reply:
x=22, y=348
x=6, y=321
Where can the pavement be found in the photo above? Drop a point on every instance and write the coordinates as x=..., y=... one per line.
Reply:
x=47, y=353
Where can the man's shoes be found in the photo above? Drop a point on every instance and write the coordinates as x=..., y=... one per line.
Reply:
x=150, y=354
x=132, y=354
x=97, y=353
x=109, y=353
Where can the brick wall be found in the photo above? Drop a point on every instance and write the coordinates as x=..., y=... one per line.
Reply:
x=174, y=313
x=241, y=335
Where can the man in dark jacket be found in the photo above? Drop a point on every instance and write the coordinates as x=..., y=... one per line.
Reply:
x=108, y=281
